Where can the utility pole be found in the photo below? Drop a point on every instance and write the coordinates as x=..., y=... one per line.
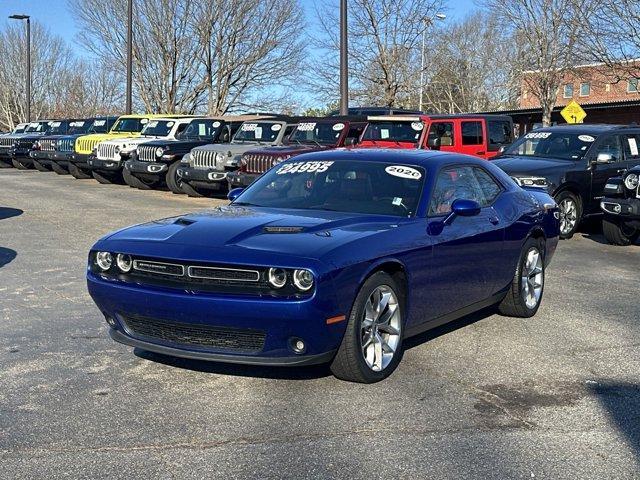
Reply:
x=344, y=65
x=28, y=78
x=427, y=21
x=129, y=93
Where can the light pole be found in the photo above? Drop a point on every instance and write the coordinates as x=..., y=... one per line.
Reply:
x=129, y=94
x=344, y=65
x=427, y=21
x=28, y=79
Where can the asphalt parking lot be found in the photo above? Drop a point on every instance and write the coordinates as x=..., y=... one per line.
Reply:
x=556, y=396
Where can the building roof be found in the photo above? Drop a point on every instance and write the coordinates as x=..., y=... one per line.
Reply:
x=586, y=106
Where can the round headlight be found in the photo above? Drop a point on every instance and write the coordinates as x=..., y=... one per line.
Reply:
x=280, y=159
x=219, y=157
x=124, y=262
x=159, y=151
x=186, y=159
x=303, y=279
x=631, y=181
x=104, y=260
x=277, y=277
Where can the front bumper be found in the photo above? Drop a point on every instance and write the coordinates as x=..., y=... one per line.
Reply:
x=242, y=179
x=625, y=208
x=146, y=168
x=21, y=154
x=80, y=159
x=208, y=178
x=108, y=165
x=62, y=158
x=44, y=157
x=280, y=320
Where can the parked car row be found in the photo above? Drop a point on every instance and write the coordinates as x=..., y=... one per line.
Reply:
x=205, y=156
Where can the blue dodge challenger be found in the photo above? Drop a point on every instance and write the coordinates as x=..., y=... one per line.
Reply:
x=331, y=257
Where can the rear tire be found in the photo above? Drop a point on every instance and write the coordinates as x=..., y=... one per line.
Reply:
x=79, y=172
x=375, y=329
x=59, y=169
x=135, y=182
x=40, y=167
x=21, y=165
x=173, y=181
x=617, y=233
x=527, y=287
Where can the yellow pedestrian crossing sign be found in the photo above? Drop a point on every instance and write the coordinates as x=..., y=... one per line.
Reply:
x=573, y=113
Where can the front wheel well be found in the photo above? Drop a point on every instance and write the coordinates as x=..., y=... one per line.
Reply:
x=397, y=271
x=573, y=190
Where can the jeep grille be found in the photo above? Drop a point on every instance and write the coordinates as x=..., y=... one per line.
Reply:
x=258, y=163
x=203, y=158
x=6, y=142
x=46, y=145
x=86, y=145
x=107, y=151
x=146, y=153
x=65, y=145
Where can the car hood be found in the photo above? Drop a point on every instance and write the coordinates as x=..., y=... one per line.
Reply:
x=232, y=149
x=532, y=165
x=238, y=234
x=176, y=145
x=290, y=150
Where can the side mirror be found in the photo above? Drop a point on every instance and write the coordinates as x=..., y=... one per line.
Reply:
x=434, y=143
x=349, y=141
x=604, y=158
x=463, y=208
x=235, y=193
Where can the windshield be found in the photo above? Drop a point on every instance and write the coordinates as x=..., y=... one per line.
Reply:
x=57, y=128
x=78, y=126
x=258, y=132
x=202, y=129
x=560, y=145
x=326, y=133
x=99, y=125
x=129, y=125
x=158, y=128
x=393, y=131
x=37, y=127
x=341, y=185
x=19, y=129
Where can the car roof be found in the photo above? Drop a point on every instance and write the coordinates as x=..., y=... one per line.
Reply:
x=582, y=128
x=438, y=116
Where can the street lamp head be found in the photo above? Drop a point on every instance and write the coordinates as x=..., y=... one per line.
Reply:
x=20, y=17
x=440, y=16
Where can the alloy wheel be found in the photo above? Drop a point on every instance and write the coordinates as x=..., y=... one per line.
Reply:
x=568, y=215
x=532, y=278
x=380, y=328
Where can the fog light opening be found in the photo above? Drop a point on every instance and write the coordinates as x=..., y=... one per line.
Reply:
x=297, y=345
x=111, y=321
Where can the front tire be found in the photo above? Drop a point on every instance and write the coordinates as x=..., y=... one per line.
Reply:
x=173, y=181
x=40, y=167
x=570, y=213
x=79, y=172
x=617, y=233
x=371, y=348
x=21, y=165
x=525, y=293
x=136, y=182
x=107, y=178
x=191, y=191
x=59, y=169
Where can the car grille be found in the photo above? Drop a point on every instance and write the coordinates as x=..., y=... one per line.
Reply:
x=187, y=334
x=201, y=158
x=47, y=145
x=258, y=163
x=147, y=154
x=25, y=143
x=86, y=145
x=65, y=145
x=7, y=142
x=106, y=151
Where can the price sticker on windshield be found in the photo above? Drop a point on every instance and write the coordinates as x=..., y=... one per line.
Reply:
x=99, y=123
x=302, y=167
x=249, y=127
x=403, y=172
x=56, y=124
x=153, y=124
x=306, y=127
x=538, y=135
x=417, y=126
x=76, y=124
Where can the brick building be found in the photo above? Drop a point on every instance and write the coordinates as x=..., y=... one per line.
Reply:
x=608, y=96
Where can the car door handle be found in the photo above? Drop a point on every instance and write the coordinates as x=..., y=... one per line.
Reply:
x=480, y=153
x=494, y=220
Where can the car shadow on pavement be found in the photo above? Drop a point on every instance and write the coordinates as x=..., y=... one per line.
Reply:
x=622, y=403
x=6, y=256
x=449, y=327
x=7, y=212
x=219, y=368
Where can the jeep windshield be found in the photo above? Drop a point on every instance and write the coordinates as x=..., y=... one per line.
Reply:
x=37, y=127
x=325, y=133
x=343, y=186
x=57, y=128
x=77, y=127
x=99, y=125
x=558, y=145
x=129, y=125
x=258, y=132
x=158, y=128
x=202, y=130
x=393, y=132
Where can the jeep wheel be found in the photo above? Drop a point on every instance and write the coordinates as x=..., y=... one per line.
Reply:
x=108, y=178
x=22, y=164
x=79, y=172
x=40, y=167
x=191, y=191
x=618, y=232
x=136, y=182
x=59, y=169
x=173, y=180
x=371, y=348
x=570, y=213
x=525, y=293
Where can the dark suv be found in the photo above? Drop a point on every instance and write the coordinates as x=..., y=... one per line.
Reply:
x=41, y=153
x=573, y=163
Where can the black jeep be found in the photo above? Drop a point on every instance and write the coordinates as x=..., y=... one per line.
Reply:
x=41, y=153
x=21, y=144
x=573, y=163
x=621, y=204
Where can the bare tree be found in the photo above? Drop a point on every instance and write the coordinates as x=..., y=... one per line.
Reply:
x=384, y=50
x=549, y=33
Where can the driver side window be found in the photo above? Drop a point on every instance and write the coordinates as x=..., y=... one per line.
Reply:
x=465, y=183
x=610, y=146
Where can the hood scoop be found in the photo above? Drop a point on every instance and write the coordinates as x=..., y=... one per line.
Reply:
x=184, y=221
x=283, y=229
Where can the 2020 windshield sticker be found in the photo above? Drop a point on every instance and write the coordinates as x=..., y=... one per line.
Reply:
x=403, y=172
x=538, y=135
x=586, y=138
x=216, y=124
x=301, y=167
x=338, y=127
x=276, y=127
x=306, y=127
x=417, y=126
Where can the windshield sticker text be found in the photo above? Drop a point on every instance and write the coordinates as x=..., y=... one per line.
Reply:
x=306, y=127
x=301, y=167
x=249, y=127
x=338, y=127
x=586, y=138
x=537, y=135
x=403, y=172
x=417, y=126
